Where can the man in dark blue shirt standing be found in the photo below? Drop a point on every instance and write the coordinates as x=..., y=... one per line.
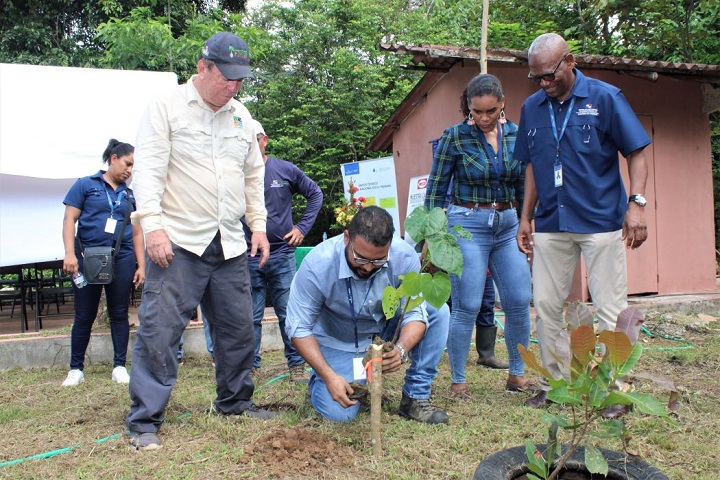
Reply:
x=282, y=181
x=569, y=136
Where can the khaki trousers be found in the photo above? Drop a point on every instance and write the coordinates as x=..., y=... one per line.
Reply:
x=555, y=259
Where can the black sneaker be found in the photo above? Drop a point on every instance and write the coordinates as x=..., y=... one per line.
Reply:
x=421, y=410
x=145, y=441
x=253, y=411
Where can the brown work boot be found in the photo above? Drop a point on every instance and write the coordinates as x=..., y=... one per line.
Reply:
x=421, y=410
x=299, y=374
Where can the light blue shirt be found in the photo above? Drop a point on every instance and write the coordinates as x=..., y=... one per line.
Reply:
x=319, y=303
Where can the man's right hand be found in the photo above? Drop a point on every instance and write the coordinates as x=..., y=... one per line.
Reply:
x=525, y=237
x=159, y=248
x=340, y=390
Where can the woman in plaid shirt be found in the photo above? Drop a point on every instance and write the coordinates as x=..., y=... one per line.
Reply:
x=487, y=191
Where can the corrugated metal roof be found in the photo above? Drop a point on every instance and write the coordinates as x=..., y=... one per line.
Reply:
x=442, y=58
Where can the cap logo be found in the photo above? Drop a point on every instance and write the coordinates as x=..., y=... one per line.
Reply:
x=236, y=52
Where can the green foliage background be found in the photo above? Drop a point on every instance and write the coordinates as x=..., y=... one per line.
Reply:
x=323, y=88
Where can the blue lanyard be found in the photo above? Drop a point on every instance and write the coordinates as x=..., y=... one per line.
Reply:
x=354, y=316
x=116, y=202
x=496, y=160
x=554, y=126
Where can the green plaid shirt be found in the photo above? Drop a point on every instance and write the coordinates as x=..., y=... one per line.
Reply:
x=461, y=159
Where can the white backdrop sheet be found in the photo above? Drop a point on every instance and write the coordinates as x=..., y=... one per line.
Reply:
x=55, y=123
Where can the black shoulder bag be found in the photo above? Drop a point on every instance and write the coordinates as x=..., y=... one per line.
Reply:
x=99, y=262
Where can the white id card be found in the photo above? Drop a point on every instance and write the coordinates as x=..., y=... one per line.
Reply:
x=558, y=175
x=358, y=369
x=110, y=225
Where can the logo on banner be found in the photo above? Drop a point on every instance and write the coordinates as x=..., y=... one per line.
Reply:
x=352, y=169
x=422, y=183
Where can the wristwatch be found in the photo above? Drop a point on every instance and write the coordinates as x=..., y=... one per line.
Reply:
x=403, y=354
x=638, y=198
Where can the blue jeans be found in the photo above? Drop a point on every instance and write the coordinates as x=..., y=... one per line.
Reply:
x=276, y=276
x=208, y=329
x=418, y=377
x=495, y=247
x=87, y=300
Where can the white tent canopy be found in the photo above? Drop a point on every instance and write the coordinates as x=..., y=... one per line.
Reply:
x=49, y=139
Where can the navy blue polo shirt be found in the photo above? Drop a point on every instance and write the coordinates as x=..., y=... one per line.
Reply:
x=592, y=197
x=97, y=201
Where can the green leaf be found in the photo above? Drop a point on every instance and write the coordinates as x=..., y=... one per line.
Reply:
x=411, y=284
x=390, y=301
x=594, y=461
x=445, y=253
x=536, y=462
x=644, y=402
x=564, y=396
x=632, y=360
x=436, y=288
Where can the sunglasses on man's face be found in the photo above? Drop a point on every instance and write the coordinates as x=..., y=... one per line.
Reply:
x=548, y=77
x=364, y=261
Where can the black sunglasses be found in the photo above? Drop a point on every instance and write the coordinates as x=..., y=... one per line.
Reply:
x=365, y=261
x=548, y=77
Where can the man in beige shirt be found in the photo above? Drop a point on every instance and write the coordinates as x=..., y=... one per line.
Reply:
x=198, y=171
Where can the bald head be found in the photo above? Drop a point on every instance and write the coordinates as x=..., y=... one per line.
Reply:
x=548, y=43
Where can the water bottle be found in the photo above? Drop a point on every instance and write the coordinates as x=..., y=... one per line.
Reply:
x=79, y=280
x=324, y=236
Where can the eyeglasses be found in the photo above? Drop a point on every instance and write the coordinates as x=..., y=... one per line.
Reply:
x=364, y=261
x=548, y=77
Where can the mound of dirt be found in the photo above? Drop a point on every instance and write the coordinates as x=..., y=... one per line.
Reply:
x=298, y=452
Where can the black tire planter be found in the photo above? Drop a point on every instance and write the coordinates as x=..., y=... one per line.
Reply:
x=511, y=464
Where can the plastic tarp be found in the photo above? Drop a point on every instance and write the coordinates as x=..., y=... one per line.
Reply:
x=55, y=122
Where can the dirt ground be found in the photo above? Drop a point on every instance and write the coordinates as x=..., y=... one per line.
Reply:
x=299, y=452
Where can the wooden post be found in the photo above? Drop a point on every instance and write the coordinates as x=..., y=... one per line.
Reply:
x=376, y=399
x=483, y=36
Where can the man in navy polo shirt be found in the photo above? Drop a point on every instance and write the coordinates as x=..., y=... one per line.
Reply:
x=569, y=135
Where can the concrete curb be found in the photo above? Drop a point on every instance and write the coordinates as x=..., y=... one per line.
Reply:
x=54, y=351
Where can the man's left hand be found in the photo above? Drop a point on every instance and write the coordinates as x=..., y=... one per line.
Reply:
x=295, y=237
x=259, y=242
x=634, y=228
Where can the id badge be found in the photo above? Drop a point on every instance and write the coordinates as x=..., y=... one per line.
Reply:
x=491, y=218
x=558, y=175
x=358, y=369
x=110, y=225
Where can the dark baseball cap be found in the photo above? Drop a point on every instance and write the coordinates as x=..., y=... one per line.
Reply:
x=231, y=55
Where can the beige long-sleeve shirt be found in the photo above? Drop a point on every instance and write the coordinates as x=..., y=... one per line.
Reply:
x=198, y=171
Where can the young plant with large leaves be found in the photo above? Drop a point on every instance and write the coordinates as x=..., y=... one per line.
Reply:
x=589, y=385
x=443, y=252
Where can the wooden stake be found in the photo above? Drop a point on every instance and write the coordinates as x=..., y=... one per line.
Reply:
x=376, y=399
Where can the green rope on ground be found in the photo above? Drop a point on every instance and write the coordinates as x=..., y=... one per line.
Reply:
x=53, y=453
x=666, y=337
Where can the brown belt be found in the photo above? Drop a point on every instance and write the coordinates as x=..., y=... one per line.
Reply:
x=499, y=206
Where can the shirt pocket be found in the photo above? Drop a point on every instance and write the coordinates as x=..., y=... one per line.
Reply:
x=190, y=141
x=235, y=144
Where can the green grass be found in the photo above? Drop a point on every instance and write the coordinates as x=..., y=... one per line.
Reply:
x=38, y=416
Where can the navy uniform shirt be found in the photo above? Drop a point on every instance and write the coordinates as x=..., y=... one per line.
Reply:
x=97, y=201
x=282, y=181
x=592, y=198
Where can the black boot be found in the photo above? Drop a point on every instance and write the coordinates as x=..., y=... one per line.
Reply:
x=485, y=345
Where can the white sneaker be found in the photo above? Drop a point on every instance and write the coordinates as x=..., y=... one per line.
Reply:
x=120, y=375
x=74, y=377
